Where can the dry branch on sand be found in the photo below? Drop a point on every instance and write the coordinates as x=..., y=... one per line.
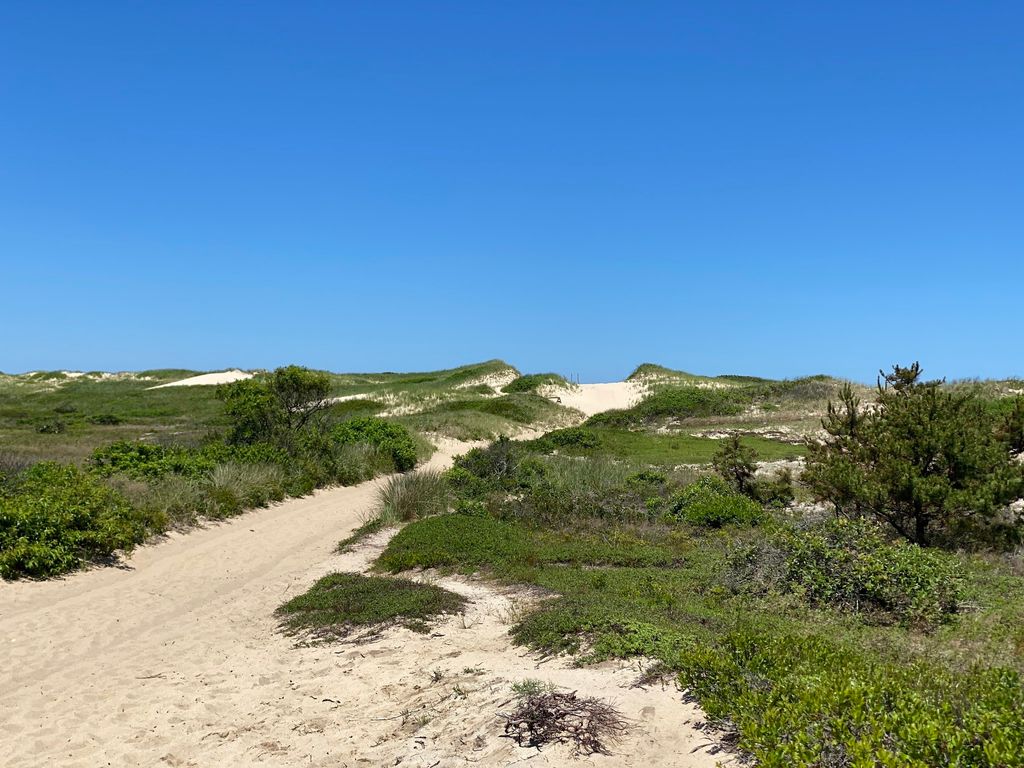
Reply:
x=588, y=724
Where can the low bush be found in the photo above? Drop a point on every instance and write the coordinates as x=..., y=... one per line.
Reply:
x=105, y=419
x=808, y=701
x=711, y=503
x=851, y=566
x=391, y=439
x=342, y=603
x=146, y=460
x=56, y=517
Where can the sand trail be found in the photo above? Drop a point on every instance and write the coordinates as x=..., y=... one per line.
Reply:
x=175, y=659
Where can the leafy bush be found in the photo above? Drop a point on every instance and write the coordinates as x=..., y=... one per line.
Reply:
x=52, y=427
x=275, y=407
x=810, y=702
x=57, y=517
x=711, y=503
x=580, y=438
x=146, y=460
x=391, y=439
x=851, y=566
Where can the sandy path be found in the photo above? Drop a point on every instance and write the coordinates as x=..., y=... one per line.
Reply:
x=175, y=660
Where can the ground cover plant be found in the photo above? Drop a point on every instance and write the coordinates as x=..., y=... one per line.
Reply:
x=343, y=603
x=809, y=639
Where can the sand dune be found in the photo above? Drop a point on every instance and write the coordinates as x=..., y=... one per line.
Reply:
x=596, y=398
x=208, y=379
x=175, y=660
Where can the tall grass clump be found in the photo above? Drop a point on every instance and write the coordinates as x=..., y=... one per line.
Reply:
x=414, y=496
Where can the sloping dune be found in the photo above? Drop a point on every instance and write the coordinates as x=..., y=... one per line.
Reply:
x=207, y=379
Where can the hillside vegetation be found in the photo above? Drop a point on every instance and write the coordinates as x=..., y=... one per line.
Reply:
x=811, y=635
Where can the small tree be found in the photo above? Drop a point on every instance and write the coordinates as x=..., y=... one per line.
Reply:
x=736, y=463
x=275, y=407
x=928, y=462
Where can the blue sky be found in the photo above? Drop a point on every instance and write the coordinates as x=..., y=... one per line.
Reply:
x=765, y=188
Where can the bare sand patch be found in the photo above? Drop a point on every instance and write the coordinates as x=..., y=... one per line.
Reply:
x=209, y=379
x=596, y=398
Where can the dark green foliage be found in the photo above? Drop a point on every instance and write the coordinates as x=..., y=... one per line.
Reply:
x=105, y=419
x=459, y=540
x=931, y=463
x=533, y=381
x=578, y=438
x=388, y=437
x=342, y=603
x=849, y=565
x=145, y=460
x=736, y=464
x=711, y=503
x=675, y=404
x=55, y=517
x=809, y=701
x=52, y=427
x=274, y=408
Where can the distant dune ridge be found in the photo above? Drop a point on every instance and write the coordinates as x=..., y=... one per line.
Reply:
x=207, y=379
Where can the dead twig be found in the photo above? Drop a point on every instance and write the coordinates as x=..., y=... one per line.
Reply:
x=588, y=724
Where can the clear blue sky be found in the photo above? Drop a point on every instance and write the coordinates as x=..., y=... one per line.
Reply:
x=773, y=188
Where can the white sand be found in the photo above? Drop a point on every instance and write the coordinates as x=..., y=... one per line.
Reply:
x=207, y=379
x=175, y=660
x=596, y=398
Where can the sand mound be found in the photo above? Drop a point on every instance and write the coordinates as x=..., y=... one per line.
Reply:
x=207, y=379
x=596, y=398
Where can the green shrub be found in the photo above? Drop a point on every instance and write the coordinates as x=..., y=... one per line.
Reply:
x=711, y=503
x=390, y=438
x=52, y=427
x=57, y=517
x=580, y=438
x=146, y=460
x=850, y=565
x=809, y=702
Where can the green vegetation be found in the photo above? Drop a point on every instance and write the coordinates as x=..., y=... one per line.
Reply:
x=533, y=381
x=54, y=517
x=938, y=466
x=280, y=439
x=659, y=449
x=342, y=603
x=811, y=641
